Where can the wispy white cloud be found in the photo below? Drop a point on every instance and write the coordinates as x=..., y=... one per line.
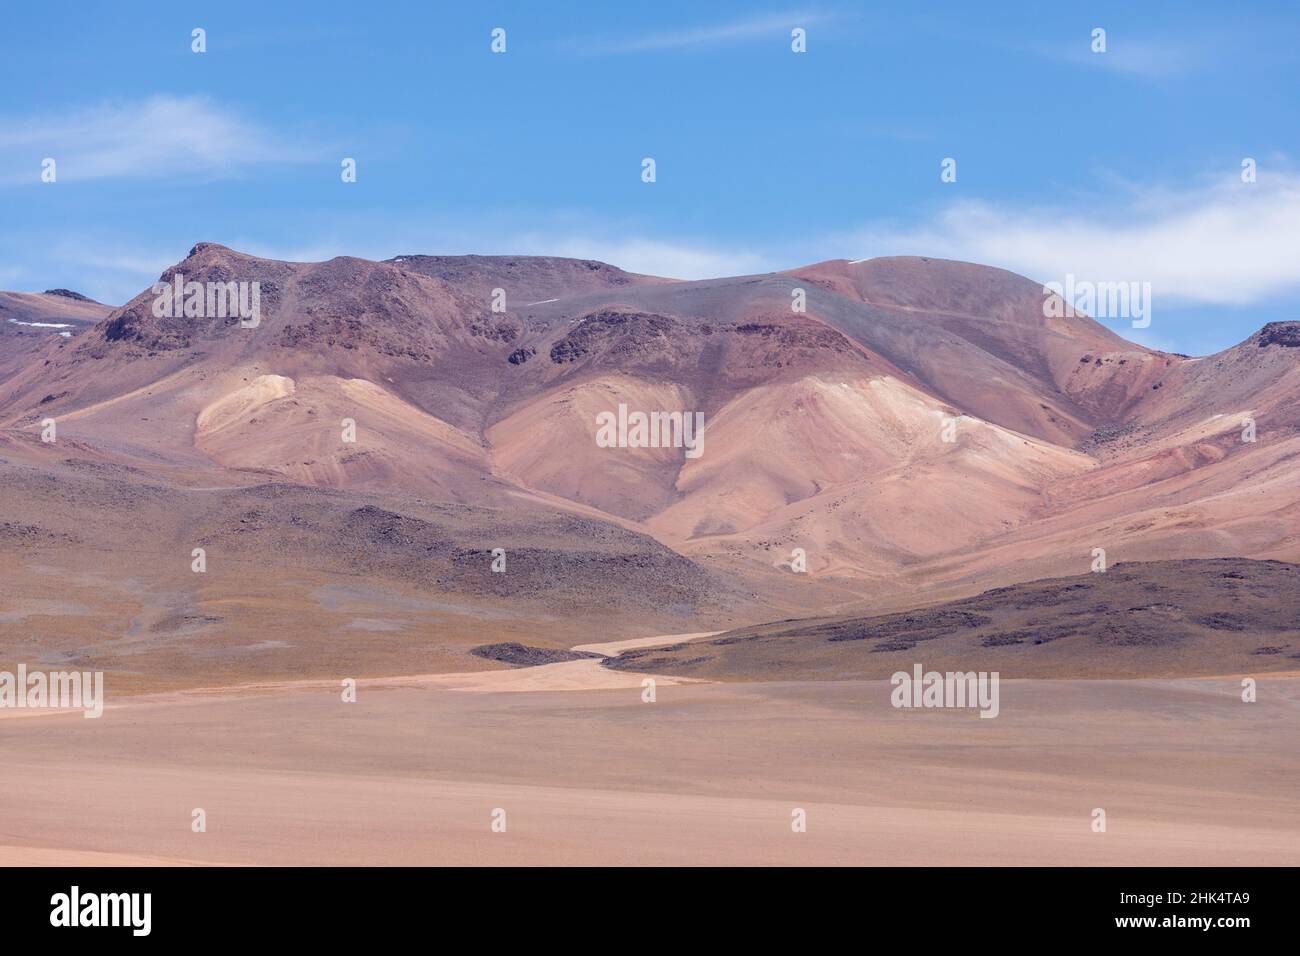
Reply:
x=159, y=137
x=1151, y=340
x=130, y=261
x=1225, y=243
x=100, y=266
x=1135, y=55
x=776, y=25
x=676, y=259
x=900, y=134
x=318, y=251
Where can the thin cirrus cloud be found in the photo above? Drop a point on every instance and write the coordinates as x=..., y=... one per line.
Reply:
x=1225, y=243
x=1138, y=57
x=670, y=258
x=108, y=268
x=159, y=136
x=702, y=37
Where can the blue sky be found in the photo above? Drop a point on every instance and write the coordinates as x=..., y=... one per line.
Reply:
x=1115, y=166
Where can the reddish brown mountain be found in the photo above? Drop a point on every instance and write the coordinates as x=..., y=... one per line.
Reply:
x=919, y=431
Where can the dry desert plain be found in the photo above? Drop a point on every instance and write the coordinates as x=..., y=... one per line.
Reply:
x=587, y=772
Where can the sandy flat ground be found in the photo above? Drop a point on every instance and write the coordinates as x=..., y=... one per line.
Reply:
x=709, y=773
x=613, y=648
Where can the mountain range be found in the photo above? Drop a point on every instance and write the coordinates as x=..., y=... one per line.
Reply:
x=879, y=435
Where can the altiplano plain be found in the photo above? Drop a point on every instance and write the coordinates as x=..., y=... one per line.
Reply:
x=710, y=773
